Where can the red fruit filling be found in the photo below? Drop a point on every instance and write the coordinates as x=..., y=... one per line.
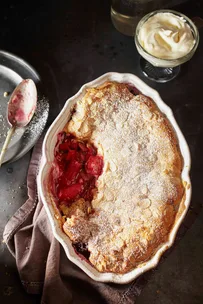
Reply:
x=75, y=169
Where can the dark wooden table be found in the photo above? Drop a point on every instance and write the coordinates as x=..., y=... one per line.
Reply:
x=70, y=43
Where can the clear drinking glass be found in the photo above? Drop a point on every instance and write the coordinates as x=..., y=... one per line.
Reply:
x=125, y=14
x=158, y=69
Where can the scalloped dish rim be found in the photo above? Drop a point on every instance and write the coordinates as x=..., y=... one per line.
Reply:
x=46, y=162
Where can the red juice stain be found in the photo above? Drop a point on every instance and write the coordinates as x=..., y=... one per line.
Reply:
x=20, y=115
x=17, y=98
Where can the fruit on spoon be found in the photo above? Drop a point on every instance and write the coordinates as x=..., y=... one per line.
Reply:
x=22, y=104
x=20, y=110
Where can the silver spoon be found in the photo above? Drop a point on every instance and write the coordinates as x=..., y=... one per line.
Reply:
x=20, y=110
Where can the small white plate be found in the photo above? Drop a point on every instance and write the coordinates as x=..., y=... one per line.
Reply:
x=12, y=71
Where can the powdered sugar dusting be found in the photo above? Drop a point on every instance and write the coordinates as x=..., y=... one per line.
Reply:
x=39, y=119
x=140, y=188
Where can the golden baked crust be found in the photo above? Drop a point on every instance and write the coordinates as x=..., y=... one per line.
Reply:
x=140, y=189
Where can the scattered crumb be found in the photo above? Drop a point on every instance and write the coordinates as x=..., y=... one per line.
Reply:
x=158, y=291
x=6, y=94
x=10, y=170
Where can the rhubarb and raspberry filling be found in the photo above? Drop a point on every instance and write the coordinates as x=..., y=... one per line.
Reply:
x=116, y=177
x=76, y=169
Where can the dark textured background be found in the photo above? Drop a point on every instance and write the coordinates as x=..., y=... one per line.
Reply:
x=70, y=43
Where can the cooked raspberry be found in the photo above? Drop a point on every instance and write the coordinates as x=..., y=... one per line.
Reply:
x=94, y=165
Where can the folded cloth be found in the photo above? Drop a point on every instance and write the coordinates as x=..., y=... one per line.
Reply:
x=42, y=264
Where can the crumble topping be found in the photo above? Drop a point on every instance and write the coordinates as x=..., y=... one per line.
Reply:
x=140, y=187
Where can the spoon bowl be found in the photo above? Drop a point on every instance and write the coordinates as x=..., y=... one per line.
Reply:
x=20, y=109
x=22, y=104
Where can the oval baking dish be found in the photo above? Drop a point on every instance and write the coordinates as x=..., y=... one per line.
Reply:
x=48, y=200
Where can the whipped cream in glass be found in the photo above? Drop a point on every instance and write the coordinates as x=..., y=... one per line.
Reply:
x=166, y=35
x=165, y=39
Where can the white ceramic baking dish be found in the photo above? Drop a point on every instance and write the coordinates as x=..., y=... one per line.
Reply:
x=46, y=163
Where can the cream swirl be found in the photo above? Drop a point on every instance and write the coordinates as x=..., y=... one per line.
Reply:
x=166, y=36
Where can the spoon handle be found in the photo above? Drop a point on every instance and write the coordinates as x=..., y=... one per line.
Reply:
x=6, y=143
